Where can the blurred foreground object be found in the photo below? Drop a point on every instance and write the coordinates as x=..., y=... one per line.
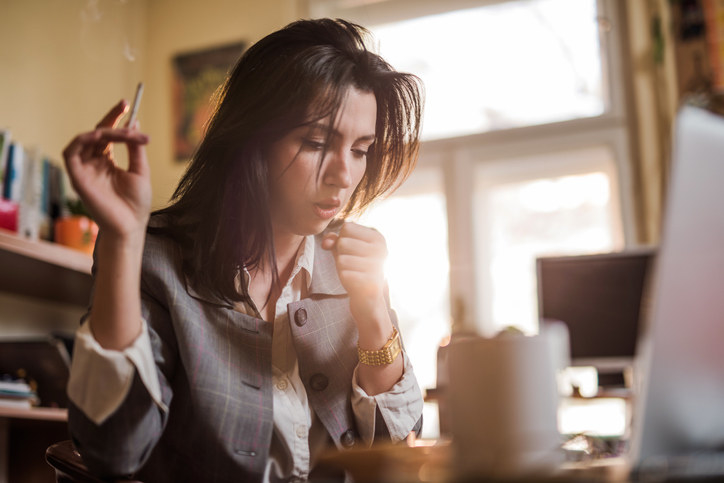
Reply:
x=503, y=397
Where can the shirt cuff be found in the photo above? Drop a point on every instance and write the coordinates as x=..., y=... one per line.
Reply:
x=400, y=407
x=100, y=378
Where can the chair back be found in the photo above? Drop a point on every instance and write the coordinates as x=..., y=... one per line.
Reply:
x=69, y=467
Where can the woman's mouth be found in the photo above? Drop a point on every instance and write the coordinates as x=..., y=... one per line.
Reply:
x=327, y=208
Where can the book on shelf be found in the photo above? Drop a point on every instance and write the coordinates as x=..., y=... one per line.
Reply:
x=14, y=170
x=4, y=145
x=17, y=393
x=31, y=196
x=15, y=403
x=32, y=188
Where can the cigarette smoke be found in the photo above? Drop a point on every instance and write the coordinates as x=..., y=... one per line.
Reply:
x=107, y=30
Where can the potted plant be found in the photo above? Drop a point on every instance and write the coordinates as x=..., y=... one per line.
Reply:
x=76, y=230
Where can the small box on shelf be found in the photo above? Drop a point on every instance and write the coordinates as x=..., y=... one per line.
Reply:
x=8, y=215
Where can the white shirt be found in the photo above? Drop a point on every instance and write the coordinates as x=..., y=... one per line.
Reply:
x=101, y=378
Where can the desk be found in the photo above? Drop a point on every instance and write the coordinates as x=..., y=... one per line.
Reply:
x=399, y=463
x=25, y=434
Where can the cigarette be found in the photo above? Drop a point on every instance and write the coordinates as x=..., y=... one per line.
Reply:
x=136, y=102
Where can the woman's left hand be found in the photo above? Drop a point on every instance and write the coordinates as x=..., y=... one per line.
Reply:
x=360, y=253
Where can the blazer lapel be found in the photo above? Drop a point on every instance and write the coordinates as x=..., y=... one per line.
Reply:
x=325, y=280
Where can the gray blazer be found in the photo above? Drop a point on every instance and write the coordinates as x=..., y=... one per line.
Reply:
x=219, y=424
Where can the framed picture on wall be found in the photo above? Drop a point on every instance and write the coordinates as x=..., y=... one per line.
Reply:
x=196, y=78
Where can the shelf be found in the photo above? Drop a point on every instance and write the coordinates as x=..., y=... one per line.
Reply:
x=44, y=270
x=36, y=414
x=25, y=435
x=52, y=253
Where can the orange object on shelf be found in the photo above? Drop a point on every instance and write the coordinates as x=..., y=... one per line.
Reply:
x=78, y=232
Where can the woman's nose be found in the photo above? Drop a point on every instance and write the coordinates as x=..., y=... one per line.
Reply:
x=337, y=170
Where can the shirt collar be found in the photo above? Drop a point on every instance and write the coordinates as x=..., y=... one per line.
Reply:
x=321, y=268
x=304, y=260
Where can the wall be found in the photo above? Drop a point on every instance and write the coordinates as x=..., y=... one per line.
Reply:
x=62, y=64
x=177, y=26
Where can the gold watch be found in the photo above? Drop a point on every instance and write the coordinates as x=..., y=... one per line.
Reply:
x=384, y=356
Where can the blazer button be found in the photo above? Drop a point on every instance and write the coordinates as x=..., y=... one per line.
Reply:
x=319, y=382
x=347, y=438
x=300, y=317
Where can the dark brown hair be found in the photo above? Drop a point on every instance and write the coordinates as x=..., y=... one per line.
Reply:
x=219, y=212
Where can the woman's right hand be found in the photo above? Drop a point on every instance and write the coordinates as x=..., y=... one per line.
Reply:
x=119, y=200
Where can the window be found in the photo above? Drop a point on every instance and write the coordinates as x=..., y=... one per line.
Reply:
x=522, y=213
x=500, y=66
x=525, y=131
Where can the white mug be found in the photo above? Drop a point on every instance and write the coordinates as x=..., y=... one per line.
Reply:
x=503, y=400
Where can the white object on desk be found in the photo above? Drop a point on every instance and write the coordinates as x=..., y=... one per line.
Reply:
x=504, y=402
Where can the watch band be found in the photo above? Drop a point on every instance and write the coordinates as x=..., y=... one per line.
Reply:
x=384, y=356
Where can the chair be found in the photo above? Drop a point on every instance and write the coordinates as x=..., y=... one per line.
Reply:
x=69, y=467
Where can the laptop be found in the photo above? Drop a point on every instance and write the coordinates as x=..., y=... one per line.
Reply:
x=678, y=426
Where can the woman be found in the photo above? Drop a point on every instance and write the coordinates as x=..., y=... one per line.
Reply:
x=263, y=332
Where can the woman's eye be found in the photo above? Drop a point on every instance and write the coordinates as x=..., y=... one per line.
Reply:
x=360, y=153
x=312, y=144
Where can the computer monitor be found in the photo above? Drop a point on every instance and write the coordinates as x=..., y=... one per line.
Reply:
x=599, y=298
x=680, y=408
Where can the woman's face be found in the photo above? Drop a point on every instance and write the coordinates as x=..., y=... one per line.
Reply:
x=304, y=199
